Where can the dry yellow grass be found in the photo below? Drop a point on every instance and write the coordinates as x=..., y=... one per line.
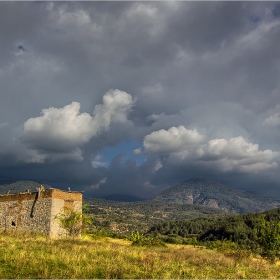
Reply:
x=38, y=257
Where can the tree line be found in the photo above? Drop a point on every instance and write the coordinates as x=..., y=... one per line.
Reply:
x=257, y=232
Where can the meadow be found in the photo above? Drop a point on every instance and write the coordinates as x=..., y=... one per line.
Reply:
x=108, y=258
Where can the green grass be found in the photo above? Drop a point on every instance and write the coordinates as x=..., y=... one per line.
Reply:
x=106, y=258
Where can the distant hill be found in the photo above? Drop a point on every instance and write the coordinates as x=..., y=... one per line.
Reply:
x=20, y=186
x=213, y=194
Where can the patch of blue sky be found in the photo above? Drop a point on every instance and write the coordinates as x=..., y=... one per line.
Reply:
x=276, y=10
x=124, y=147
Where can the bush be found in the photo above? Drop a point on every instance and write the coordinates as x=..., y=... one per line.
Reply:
x=268, y=238
x=102, y=232
x=239, y=254
x=73, y=221
x=138, y=239
x=174, y=239
x=224, y=246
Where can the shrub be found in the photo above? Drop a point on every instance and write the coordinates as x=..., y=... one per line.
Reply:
x=268, y=238
x=73, y=221
x=102, y=232
x=224, y=246
x=139, y=239
x=174, y=239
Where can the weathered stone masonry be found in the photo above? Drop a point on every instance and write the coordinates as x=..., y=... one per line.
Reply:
x=36, y=211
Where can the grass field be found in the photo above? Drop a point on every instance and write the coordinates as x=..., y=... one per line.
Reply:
x=106, y=258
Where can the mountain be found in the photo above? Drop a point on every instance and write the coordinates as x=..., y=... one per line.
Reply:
x=19, y=186
x=213, y=194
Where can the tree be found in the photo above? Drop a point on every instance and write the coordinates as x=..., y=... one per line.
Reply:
x=268, y=238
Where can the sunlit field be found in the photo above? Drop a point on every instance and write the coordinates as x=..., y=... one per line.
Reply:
x=40, y=257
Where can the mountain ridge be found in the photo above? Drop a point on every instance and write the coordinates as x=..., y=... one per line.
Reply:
x=194, y=191
x=199, y=191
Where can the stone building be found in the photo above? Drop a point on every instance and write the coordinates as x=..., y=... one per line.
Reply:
x=37, y=211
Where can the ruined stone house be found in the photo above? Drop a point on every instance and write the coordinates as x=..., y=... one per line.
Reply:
x=37, y=211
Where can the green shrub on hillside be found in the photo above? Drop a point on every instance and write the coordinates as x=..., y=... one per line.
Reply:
x=74, y=222
x=139, y=239
x=268, y=238
x=71, y=221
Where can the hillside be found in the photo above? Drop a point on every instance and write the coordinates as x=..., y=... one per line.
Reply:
x=213, y=194
x=124, y=217
x=241, y=229
x=105, y=258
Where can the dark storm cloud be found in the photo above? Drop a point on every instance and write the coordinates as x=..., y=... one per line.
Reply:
x=201, y=83
x=125, y=177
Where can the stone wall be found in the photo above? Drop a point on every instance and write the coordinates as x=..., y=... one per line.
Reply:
x=32, y=212
x=26, y=215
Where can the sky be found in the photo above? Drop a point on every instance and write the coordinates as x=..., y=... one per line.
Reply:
x=135, y=97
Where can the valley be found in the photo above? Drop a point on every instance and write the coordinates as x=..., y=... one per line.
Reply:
x=123, y=217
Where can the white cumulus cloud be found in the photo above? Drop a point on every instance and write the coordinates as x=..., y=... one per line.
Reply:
x=190, y=147
x=59, y=128
x=175, y=139
x=64, y=130
x=116, y=105
x=237, y=154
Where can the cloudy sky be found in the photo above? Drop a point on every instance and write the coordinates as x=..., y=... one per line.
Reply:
x=135, y=97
